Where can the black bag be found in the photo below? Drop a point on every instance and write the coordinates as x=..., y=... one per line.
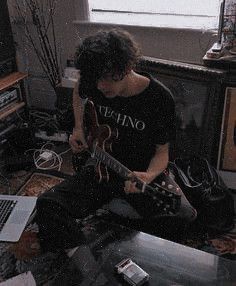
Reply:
x=206, y=191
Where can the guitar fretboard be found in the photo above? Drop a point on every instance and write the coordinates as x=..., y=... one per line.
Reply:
x=111, y=162
x=115, y=165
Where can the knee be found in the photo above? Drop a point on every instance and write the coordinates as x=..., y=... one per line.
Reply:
x=45, y=205
x=47, y=197
x=189, y=214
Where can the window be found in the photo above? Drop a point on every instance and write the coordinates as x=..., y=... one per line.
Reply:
x=194, y=14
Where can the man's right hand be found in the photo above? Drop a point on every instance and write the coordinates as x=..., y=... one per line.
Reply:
x=77, y=141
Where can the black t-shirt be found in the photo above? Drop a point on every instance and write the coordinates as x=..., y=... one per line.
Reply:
x=142, y=120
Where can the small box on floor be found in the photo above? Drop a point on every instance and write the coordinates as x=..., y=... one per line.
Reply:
x=131, y=272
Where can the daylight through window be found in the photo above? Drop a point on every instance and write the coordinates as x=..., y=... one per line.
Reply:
x=195, y=14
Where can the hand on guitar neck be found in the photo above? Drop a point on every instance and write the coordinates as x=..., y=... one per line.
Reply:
x=130, y=184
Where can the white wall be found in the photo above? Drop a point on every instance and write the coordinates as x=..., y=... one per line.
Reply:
x=172, y=44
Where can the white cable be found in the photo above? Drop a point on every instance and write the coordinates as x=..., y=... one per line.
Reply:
x=54, y=162
x=64, y=151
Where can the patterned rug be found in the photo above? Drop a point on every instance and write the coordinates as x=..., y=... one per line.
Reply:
x=26, y=255
x=223, y=245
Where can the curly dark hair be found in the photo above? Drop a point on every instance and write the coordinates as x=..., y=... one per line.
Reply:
x=107, y=53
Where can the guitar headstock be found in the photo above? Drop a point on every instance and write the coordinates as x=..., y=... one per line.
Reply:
x=166, y=192
x=167, y=183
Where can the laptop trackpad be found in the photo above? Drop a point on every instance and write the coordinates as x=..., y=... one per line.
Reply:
x=19, y=217
x=13, y=229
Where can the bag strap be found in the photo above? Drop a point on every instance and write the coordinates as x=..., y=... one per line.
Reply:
x=208, y=178
x=178, y=172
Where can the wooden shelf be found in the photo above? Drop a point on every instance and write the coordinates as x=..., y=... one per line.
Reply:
x=11, y=79
x=10, y=109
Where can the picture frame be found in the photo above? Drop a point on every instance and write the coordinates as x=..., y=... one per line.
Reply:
x=227, y=150
x=197, y=92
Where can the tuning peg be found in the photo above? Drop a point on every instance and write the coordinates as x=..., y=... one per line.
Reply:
x=170, y=186
x=163, y=183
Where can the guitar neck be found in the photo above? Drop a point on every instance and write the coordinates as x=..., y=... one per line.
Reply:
x=166, y=199
x=110, y=162
x=115, y=165
x=124, y=172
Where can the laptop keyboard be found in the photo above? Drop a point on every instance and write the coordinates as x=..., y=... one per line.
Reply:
x=6, y=207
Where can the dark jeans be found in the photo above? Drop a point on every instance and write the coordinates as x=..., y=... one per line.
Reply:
x=81, y=195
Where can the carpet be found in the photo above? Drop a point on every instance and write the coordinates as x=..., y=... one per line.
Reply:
x=26, y=255
x=39, y=183
x=223, y=245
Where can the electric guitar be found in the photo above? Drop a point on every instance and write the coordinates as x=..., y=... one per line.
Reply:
x=163, y=190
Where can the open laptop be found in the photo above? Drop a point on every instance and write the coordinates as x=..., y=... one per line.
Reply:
x=15, y=212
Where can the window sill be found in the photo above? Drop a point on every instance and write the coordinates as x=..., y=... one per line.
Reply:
x=106, y=24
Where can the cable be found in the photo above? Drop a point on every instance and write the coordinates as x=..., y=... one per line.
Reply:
x=19, y=116
x=47, y=159
x=43, y=120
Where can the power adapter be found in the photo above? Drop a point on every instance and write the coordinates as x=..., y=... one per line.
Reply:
x=46, y=156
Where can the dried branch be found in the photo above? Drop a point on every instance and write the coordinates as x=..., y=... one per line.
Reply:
x=42, y=25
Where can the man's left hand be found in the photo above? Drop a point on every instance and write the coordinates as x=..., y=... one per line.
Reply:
x=130, y=186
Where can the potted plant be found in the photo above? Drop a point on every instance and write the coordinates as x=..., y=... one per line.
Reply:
x=37, y=18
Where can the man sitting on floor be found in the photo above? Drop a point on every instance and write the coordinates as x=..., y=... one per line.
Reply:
x=142, y=109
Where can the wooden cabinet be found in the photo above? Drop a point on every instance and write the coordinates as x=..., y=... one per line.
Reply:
x=15, y=79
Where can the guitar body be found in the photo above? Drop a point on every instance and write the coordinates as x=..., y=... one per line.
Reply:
x=96, y=136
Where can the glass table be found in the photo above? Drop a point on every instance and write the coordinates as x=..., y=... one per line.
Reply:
x=166, y=262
